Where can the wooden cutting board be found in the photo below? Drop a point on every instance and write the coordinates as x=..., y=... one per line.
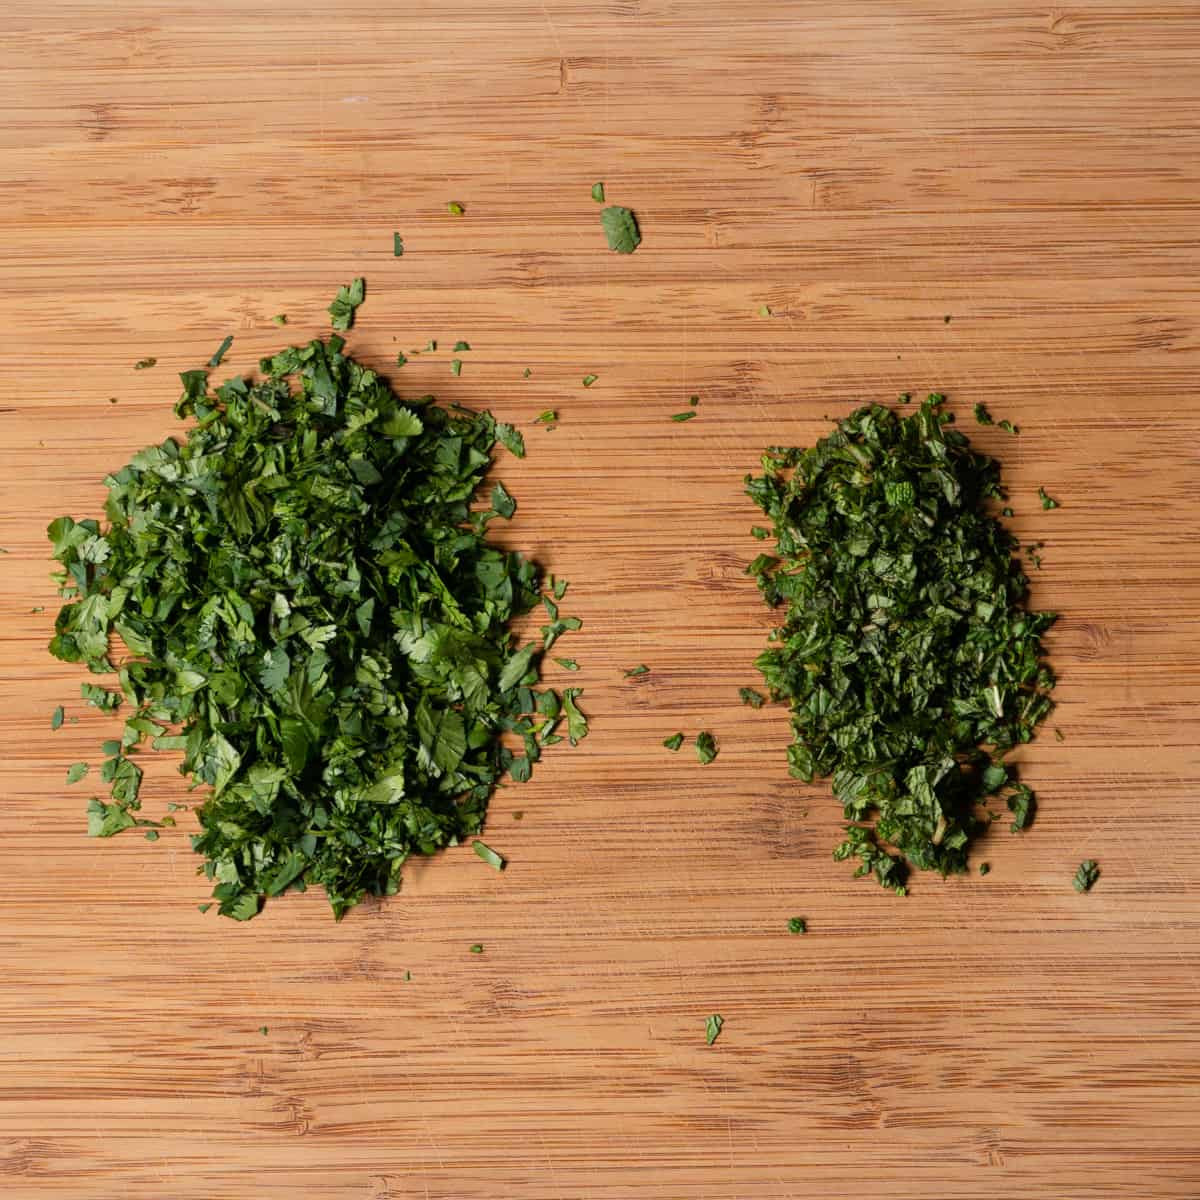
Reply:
x=995, y=200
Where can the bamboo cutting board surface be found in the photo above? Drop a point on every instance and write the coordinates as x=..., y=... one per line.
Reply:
x=995, y=200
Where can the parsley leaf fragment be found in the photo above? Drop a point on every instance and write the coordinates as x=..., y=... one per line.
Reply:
x=621, y=229
x=640, y=669
x=683, y=416
x=674, y=741
x=712, y=1028
x=1048, y=502
x=598, y=192
x=588, y=380
x=706, y=747
x=143, y=364
x=1086, y=875
x=348, y=298
x=751, y=697
x=489, y=855
x=797, y=925
x=56, y=718
x=221, y=351
x=76, y=771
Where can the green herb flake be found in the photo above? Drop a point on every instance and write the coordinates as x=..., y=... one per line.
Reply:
x=1086, y=875
x=588, y=380
x=905, y=647
x=76, y=771
x=982, y=416
x=401, y=358
x=397, y=245
x=348, y=298
x=1006, y=511
x=598, y=192
x=461, y=346
x=456, y=366
x=204, y=907
x=621, y=229
x=706, y=747
x=797, y=925
x=674, y=741
x=39, y=609
x=477, y=948
x=546, y=418
x=151, y=835
x=1009, y=427
x=577, y=725
x=984, y=868
x=712, y=1028
x=336, y=693
x=511, y=439
x=568, y=664
x=1059, y=736
x=683, y=416
x=640, y=669
x=1048, y=502
x=455, y=209
x=693, y=400
x=144, y=364
x=280, y=318
x=525, y=374
x=764, y=310
x=221, y=351
x=751, y=697
x=489, y=855
x=56, y=718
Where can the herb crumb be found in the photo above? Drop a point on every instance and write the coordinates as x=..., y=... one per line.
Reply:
x=1086, y=875
x=712, y=1028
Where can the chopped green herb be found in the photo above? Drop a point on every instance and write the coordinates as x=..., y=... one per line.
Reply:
x=797, y=925
x=712, y=1028
x=693, y=400
x=143, y=364
x=502, y=503
x=1086, y=875
x=263, y=1030
x=568, y=664
x=559, y=587
x=621, y=229
x=751, y=697
x=489, y=855
x=1047, y=501
x=511, y=438
x=640, y=669
x=460, y=346
x=151, y=835
x=518, y=815
x=430, y=345
x=764, y=310
x=455, y=209
x=56, y=718
x=348, y=298
x=683, y=416
x=982, y=416
x=280, y=318
x=221, y=351
x=40, y=608
x=456, y=366
x=547, y=417
x=204, y=907
x=76, y=771
x=588, y=380
x=598, y=192
x=306, y=598
x=1006, y=511
x=984, y=868
x=905, y=397
x=525, y=374
x=401, y=358
x=1009, y=427
x=477, y=948
x=407, y=976
x=1058, y=736
x=577, y=725
x=397, y=245
x=906, y=646
x=706, y=747
x=674, y=741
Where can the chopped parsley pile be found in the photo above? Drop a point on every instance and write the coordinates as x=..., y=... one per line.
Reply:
x=317, y=620
x=907, y=656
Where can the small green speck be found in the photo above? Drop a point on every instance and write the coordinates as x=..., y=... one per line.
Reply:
x=588, y=380
x=477, y=948
x=797, y=925
x=455, y=209
x=151, y=835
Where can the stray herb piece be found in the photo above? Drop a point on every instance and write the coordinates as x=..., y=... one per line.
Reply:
x=764, y=310
x=143, y=364
x=489, y=855
x=151, y=835
x=751, y=697
x=76, y=771
x=518, y=815
x=905, y=646
x=56, y=718
x=221, y=351
x=568, y=664
x=712, y=1028
x=460, y=346
x=1006, y=511
x=982, y=416
x=456, y=366
x=588, y=380
x=640, y=669
x=1009, y=427
x=577, y=726
x=407, y=976
x=905, y=397
x=984, y=868
x=204, y=907
x=1047, y=501
x=429, y=346
x=706, y=747
x=546, y=418
x=621, y=229
x=503, y=504
x=1059, y=736
x=598, y=192
x=674, y=741
x=38, y=609
x=1086, y=875
x=401, y=358
x=348, y=298
x=455, y=209
x=477, y=948
x=280, y=318
x=693, y=400
x=397, y=245
x=797, y=925
x=263, y=1030
x=511, y=438
x=684, y=416
x=525, y=374
x=314, y=620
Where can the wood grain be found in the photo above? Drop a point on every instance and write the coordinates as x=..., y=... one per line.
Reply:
x=171, y=172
